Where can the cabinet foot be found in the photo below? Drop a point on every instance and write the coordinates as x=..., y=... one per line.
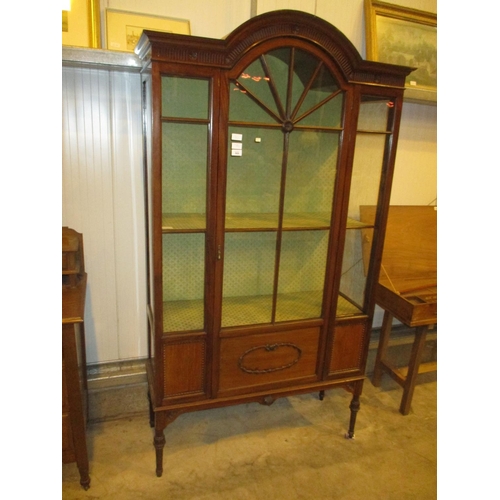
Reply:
x=354, y=407
x=321, y=395
x=85, y=481
x=161, y=420
x=159, y=443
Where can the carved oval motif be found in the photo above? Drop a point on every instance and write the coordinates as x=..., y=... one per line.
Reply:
x=269, y=358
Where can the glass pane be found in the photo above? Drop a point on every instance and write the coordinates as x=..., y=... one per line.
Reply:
x=183, y=281
x=258, y=158
x=353, y=279
x=374, y=113
x=278, y=63
x=184, y=97
x=254, y=176
x=254, y=80
x=243, y=108
x=301, y=275
x=366, y=178
x=304, y=65
x=184, y=175
x=310, y=178
x=248, y=278
x=330, y=113
x=367, y=172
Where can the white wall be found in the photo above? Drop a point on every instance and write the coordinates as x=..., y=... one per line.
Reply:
x=208, y=18
x=102, y=192
x=102, y=161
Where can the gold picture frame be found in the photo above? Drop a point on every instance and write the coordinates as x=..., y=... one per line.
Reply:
x=81, y=25
x=408, y=37
x=123, y=29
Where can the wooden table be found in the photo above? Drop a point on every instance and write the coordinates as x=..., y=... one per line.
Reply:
x=74, y=379
x=407, y=289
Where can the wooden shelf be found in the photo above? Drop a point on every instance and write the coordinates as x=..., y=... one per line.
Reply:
x=346, y=308
x=187, y=315
x=356, y=224
x=300, y=221
x=183, y=223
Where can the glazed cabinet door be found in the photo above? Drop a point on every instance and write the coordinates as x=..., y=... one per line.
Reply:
x=285, y=122
x=285, y=126
x=185, y=124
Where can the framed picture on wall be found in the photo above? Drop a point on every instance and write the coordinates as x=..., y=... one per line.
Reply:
x=123, y=29
x=81, y=24
x=408, y=37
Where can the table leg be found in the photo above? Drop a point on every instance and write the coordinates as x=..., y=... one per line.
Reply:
x=354, y=407
x=411, y=377
x=385, y=333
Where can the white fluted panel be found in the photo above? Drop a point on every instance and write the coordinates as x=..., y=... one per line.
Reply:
x=103, y=199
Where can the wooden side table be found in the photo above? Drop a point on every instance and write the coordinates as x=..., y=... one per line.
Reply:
x=74, y=379
x=406, y=376
x=407, y=288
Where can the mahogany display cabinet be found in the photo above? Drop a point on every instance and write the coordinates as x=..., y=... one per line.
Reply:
x=259, y=150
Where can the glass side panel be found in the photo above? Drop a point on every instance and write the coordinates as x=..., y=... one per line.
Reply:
x=353, y=279
x=184, y=97
x=366, y=172
x=249, y=262
x=310, y=177
x=184, y=171
x=366, y=178
x=301, y=275
x=184, y=282
x=253, y=177
x=374, y=114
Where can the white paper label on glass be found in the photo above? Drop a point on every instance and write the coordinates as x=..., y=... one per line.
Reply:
x=236, y=152
x=236, y=145
x=236, y=137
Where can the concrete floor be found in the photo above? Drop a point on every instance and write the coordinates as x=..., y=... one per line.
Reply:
x=294, y=449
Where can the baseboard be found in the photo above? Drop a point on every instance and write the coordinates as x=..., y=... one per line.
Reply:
x=117, y=389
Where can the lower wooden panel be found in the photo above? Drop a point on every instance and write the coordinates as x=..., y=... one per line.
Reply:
x=254, y=361
x=184, y=363
x=347, y=348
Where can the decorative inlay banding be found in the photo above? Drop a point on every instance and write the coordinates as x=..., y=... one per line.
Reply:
x=255, y=365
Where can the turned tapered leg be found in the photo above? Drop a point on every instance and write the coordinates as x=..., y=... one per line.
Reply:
x=354, y=407
x=162, y=419
x=159, y=442
x=84, y=479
